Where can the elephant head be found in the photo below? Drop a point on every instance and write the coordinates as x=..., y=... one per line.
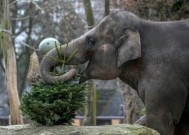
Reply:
x=106, y=47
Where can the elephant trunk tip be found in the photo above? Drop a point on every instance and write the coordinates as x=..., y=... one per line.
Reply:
x=49, y=78
x=68, y=76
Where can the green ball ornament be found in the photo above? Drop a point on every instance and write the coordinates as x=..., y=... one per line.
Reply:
x=48, y=44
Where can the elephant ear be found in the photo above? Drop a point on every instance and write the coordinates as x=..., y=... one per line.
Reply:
x=128, y=46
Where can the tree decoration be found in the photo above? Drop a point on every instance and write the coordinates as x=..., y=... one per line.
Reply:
x=48, y=44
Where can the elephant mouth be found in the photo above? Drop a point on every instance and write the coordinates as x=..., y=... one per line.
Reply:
x=85, y=75
x=83, y=79
x=97, y=72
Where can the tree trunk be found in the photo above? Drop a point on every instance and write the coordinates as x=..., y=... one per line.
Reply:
x=10, y=63
x=1, y=10
x=89, y=13
x=132, y=103
x=107, y=7
x=26, y=54
x=90, y=108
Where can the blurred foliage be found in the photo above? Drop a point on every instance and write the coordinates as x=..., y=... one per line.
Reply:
x=142, y=111
x=53, y=104
x=159, y=10
x=57, y=19
x=180, y=10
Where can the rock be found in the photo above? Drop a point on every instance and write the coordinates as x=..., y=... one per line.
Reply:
x=121, y=129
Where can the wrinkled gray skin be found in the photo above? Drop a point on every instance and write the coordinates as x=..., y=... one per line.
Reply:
x=152, y=57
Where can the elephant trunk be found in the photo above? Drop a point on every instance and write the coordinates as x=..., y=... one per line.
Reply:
x=50, y=60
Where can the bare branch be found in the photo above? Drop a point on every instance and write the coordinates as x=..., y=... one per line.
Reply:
x=8, y=32
x=19, y=32
x=24, y=44
x=13, y=3
x=37, y=6
x=2, y=66
x=21, y=18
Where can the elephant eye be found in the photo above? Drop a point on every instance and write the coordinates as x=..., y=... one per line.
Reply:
x=91, y=41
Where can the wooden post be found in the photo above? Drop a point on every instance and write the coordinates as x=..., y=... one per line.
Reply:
x=10, y=65
x=106, y=7
x=76, y=122
x=88, y=12
x=90, y=108
x=115, y=121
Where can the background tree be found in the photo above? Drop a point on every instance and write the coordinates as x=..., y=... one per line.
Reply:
x=90, y=107
x=106, y=7
x=10, y=62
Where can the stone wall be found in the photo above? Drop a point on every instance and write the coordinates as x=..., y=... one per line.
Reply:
x=77, y=130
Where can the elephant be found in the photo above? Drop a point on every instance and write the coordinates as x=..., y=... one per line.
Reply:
x=151, y=57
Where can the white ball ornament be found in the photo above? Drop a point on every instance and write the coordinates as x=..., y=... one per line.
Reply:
x=48, y=44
